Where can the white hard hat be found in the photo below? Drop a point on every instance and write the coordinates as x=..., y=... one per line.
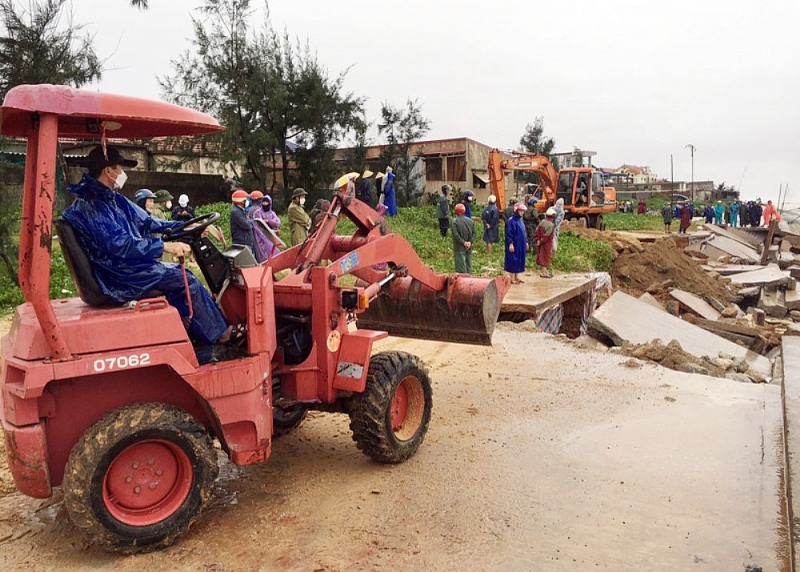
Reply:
x=551, y=212
x=183, y=200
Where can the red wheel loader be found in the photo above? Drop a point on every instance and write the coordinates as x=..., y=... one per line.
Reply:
x=115, y=404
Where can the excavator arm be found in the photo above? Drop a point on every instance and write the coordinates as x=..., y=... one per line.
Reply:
x=521, y=161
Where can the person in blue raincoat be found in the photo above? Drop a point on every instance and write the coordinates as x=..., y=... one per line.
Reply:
x=241, y=226
x=708, y=214
x=491, y=224
x=468, y=200
x=516, y=244
x=388, y=192
x=118, y=238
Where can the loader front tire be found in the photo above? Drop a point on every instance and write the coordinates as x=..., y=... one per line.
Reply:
x=390, y=418
x=139, y=477
x=284, y=421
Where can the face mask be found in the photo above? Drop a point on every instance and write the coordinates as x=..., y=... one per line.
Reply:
x=169, y=204
x=265, y=205
x=302, y=201
x=119, y=182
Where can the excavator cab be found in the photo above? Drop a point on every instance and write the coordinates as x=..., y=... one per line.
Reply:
x=598, y=196
x=566, y=184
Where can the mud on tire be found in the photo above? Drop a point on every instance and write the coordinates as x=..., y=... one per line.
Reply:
x=139, y=477
x=390, y=418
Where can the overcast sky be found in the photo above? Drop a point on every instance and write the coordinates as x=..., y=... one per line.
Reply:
x=635, y=81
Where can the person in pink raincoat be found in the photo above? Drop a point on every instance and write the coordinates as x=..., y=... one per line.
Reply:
x=267, y=248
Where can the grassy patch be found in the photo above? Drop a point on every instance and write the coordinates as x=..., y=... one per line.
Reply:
x=576, y=254
x=633, y=221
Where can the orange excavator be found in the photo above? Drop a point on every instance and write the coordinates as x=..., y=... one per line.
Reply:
x=585, y=196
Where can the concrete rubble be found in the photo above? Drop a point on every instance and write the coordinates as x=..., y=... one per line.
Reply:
x=717, y=301
x=624, y=320
x=739, y=316
x=695, y=303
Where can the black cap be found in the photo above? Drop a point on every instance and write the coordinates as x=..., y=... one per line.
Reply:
x=96, y=161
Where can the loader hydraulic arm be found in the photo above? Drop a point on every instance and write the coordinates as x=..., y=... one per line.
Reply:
x=406, y=297
x=372, y=242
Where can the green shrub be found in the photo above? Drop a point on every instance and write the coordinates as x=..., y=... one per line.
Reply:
x=577, y=254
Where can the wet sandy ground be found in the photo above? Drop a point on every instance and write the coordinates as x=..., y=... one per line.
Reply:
x=540, y=456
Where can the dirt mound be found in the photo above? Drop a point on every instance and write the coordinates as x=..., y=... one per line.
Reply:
x=621, y=242
x=662, y=265
x=674, y=357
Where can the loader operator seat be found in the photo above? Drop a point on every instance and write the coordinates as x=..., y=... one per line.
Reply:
x=80, y=268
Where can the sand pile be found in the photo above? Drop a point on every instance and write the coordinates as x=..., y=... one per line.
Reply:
x=663, y=265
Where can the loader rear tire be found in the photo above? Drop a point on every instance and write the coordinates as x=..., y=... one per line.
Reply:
x=139, y=477
x=390, y=418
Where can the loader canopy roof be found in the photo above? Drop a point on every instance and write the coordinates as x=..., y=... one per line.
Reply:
x=84, y=113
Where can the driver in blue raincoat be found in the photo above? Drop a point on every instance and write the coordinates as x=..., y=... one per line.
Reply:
x=117, y=236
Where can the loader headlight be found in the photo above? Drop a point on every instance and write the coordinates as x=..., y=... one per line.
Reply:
x=349, y=300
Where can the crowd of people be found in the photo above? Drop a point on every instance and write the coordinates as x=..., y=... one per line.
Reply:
x=732, y=213
x=527, y=232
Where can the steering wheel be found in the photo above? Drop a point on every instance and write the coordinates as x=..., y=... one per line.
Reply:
x=182, y=231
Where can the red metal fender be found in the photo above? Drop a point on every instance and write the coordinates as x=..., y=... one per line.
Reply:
x=26, y=451
x=353, y=362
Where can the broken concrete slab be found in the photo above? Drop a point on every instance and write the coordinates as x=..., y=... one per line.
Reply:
x=759, y=317
x=785, y=259
x=749, y=291
x=792, y=299
x=772, y=302
x=728, y=269
x=538, y=294
x=695, y=303
x=707, y=250
x=734, y=328
x=650, y=299
x=790, y=232
x=624, y=318
x=735, y=248
x=737, y=235
x=770, y=275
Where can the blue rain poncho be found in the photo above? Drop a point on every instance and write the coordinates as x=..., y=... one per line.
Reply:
x=117, y=236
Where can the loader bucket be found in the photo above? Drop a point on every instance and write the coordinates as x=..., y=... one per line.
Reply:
x=464, y=312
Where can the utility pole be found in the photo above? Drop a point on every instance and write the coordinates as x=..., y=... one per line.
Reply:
x=691, y=149
x=672, y=184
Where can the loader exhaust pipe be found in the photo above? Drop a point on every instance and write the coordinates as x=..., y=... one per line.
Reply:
x=464, y=312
